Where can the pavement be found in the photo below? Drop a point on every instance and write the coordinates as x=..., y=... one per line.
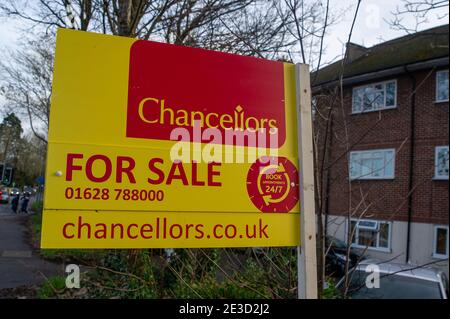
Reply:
x=19, y=264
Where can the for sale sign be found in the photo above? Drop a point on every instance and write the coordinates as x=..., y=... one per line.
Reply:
x=157, y=145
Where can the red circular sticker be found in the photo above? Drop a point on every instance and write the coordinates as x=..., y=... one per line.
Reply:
x=272, y=184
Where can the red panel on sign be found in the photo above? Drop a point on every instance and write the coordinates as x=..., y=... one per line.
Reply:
x=172, y=86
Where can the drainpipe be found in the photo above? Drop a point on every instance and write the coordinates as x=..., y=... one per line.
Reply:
x=411, y=159
x=327, y=185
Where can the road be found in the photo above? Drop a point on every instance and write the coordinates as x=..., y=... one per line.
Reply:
x=19, y=264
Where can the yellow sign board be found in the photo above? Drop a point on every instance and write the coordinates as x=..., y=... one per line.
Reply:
x=156, y=145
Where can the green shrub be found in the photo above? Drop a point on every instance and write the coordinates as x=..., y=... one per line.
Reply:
x=80, y=256
x=52, y=287
x=124, y=274
x=36, y=222
x=210, y=288
x=331, y=292
x=37, y=206
x=257, y=277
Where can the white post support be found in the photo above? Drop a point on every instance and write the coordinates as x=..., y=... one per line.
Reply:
x=307, y=260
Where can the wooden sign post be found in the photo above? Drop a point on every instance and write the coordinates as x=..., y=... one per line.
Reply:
x=307, y=261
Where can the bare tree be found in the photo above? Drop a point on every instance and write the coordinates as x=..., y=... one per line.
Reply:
x=132, y=18
x=10, y=140
x=307, y=24
x=31, y=160
x=250, y=27
x=26, y=83
x=54, y=13
x=419, y=10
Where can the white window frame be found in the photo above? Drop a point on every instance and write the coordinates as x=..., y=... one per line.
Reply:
x=436, y=151
x=435, y=232
x=368, y=176
x=376, y=248
x=437, y=87
x=373, y=224
x=373, y=84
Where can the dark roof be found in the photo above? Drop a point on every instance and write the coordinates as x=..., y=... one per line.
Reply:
x=421, y=46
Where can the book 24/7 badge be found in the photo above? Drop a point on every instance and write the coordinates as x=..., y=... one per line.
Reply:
x=272, y=184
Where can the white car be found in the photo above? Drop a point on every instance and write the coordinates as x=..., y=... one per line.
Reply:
x=396, y=281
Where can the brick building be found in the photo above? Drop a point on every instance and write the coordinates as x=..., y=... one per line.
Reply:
x=383, y=147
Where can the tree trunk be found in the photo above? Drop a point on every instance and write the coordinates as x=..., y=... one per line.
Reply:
x=124, y=28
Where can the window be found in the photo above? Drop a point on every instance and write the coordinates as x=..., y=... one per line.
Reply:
x=441, y=162
x=442, y=86
x=440, y=242
x=374, y=164
x=374, y=97
x=371, y=233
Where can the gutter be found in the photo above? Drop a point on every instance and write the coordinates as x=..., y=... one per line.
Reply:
x=385, y=73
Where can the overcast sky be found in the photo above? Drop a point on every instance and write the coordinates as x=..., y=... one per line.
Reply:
x=370, y=28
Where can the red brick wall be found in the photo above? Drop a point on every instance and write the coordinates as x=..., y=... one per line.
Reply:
x=387, y=199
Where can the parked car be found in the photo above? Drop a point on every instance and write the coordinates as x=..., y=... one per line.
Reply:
x=14, y=192
x=4, y=196
x=337, y=255
x=397, y=281
x=27, y=191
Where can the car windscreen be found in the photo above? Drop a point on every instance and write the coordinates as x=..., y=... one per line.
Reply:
x=393, y=286
x=336, y=242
